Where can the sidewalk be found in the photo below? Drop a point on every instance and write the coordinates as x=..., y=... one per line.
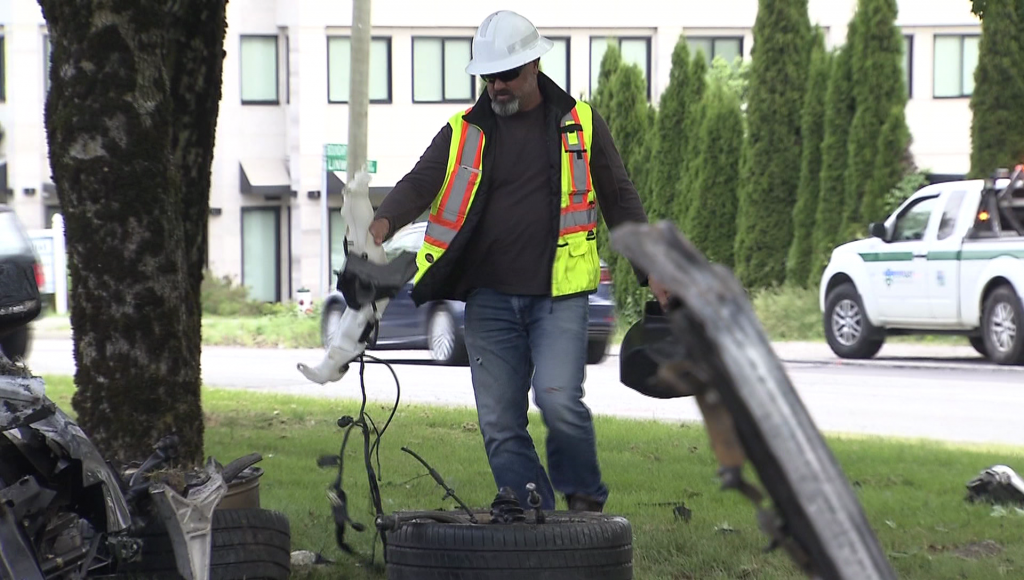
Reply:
x=892, y=355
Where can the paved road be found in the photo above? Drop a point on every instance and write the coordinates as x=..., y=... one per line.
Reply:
x=956, y=397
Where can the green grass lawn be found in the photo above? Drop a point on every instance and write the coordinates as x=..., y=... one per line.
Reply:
x=912, y=492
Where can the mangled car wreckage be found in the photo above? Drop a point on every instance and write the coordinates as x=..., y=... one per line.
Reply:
x=66, y=513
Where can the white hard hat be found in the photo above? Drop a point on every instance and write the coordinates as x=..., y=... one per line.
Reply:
x=504, y=41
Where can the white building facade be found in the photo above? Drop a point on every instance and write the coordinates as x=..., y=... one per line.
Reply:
x=286, y=81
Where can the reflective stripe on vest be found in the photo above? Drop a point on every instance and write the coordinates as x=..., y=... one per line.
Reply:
x=578, y=215
x=445, y=221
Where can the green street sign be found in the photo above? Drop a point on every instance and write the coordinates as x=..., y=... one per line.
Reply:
x=337, y=158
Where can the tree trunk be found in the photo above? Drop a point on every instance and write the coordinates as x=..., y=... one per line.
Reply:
x=130, y=119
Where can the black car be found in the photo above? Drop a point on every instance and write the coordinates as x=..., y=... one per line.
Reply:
x=21, y=276
x=439, y=326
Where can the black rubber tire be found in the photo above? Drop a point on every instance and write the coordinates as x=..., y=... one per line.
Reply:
x=248, y=544
x=978, y=342
x=597, y=350
x=1014, y=355
x=568, y=546
x=871, y=338
x=15, y=345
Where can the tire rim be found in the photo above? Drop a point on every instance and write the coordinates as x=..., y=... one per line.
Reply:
x=442, y=336
x=1003, y=327
x=846, y=322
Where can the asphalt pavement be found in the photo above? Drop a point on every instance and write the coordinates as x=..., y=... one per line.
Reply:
x=935, y=392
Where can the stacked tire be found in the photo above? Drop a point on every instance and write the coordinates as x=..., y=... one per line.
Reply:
x=247, y=544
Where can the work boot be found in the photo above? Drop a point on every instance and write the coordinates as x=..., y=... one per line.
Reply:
x=582, y=503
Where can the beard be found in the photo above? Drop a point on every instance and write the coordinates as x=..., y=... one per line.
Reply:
x=506, y=108
x=510, y=106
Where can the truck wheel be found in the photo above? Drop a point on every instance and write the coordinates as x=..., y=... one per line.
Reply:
x=1002, y=325
x=847, y=329
x=567, y=546
x=978, y=342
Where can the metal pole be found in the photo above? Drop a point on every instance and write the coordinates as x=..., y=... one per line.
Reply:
x=358, y=110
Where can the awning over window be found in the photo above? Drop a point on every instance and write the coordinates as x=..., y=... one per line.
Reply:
x=264, y=176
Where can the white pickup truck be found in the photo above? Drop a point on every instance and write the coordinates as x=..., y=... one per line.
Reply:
x=949, y=260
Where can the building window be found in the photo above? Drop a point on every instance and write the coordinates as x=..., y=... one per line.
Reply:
x=439, y=70
x=908, y=63
x=261, y=252
x=555, y=63
x=339, y=59
x=728, y=47
x=634, y=51
x=956, y=57
x=259, y=60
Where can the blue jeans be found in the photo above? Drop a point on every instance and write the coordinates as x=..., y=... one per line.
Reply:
x=511, y=340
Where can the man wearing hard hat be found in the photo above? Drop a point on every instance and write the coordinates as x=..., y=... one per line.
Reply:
x=513, y=185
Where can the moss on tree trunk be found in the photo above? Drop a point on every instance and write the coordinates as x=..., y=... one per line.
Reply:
x=130, y=120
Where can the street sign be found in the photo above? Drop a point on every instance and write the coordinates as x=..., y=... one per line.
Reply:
x=342, y=165
x=336, y=155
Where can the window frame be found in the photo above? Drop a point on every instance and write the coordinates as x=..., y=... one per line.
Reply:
x=590, y=48
x=47, y=57
x=473, y=80
x=713, y=38
x=568, y=59
x=389, y=43
x=935, y=62
x=276, y=211
x=277, y=69
x=909, y=73
x=3, y=67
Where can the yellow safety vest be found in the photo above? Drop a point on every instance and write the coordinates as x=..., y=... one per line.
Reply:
x=577, y=268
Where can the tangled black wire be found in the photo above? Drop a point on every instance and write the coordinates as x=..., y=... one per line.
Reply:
x=337, y=495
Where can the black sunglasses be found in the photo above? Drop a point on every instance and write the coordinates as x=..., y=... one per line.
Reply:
x=504, y=76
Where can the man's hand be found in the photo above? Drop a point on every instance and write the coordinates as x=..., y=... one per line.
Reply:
x=659, y=291
x=379, y=229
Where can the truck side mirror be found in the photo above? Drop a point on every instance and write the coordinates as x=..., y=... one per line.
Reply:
x=877, y=230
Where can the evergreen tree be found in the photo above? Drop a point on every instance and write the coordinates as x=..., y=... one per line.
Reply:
x=778, y=80
x=713, y=212
x=610, y=63
x=629, y=121
x=798, y=265
x=670, y=141
x=890, y=168
x=689, y=174
x=839, y=110
x=878, y=86
x=997, y=126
